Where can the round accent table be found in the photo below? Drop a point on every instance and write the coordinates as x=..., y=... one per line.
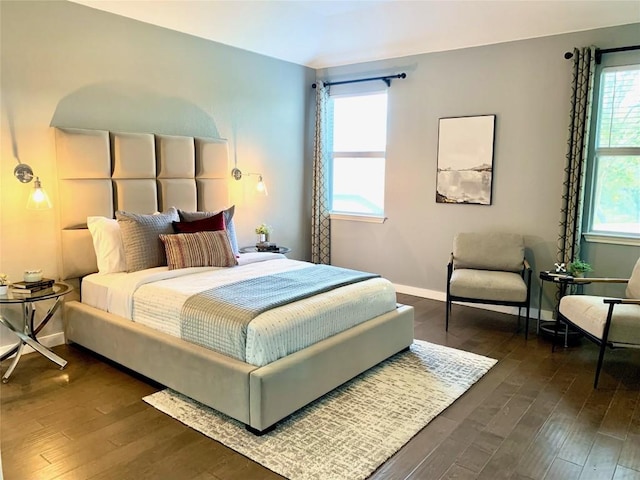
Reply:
x=26, y=328
x=548, y=328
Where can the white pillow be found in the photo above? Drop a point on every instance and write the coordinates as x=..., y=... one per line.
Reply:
x=107, y=242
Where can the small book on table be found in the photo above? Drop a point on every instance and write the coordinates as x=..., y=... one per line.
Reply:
x=30, y=287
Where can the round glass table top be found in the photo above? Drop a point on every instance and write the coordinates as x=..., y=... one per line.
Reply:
x=57, y=290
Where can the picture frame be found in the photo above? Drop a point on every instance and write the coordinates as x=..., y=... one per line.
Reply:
x=465, y=160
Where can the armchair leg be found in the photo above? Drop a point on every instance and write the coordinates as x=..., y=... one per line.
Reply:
x=599, y=366
x=448, y=311
x=555, y=334
x=526, y=325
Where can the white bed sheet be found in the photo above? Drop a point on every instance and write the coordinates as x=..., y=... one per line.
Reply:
x=113, y=292
x=154, y=297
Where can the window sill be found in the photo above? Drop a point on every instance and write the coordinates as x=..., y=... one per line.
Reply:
x=612, y=239
x=357, y=218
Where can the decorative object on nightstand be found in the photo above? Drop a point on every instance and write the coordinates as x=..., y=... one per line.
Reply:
x=4, y=284
x=28, y=287
x=578, y=268
x=263, y=230
x=31, y=276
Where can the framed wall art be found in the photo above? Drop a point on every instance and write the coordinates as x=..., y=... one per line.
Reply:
x=465, y=160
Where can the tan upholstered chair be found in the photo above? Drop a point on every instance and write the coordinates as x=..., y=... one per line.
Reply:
x=489, y=268
x=606, y=321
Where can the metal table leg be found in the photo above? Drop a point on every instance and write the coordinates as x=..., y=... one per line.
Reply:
x=539, y=307
x=28, y=336
x=7, y=374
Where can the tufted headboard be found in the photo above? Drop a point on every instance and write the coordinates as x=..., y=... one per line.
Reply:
x=100, y=172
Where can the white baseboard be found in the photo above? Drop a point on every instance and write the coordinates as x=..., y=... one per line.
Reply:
x=56, y=339
x=48, y=341
x=442, y=297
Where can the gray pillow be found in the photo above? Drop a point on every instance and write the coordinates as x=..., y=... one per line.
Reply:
x=228, y=222
x=141, y=238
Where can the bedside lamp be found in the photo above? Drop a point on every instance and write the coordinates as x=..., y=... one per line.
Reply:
x=38, y=199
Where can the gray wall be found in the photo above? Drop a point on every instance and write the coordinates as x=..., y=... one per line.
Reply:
x=527, y=85
x=64, y=64
x=68, y=65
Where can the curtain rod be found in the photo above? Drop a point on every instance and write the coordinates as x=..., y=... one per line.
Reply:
x=387, y=79
x=600, y=52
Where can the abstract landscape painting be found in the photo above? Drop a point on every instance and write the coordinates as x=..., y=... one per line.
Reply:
x=465, y=160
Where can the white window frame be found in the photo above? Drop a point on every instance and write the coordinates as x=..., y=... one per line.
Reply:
x=591, y=235
x=354, y=216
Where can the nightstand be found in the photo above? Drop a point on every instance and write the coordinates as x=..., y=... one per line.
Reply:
x=27, y=329
x=253, y=248
x=563, y=280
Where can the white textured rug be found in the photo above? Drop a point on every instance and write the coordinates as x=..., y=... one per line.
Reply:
x=349, y=432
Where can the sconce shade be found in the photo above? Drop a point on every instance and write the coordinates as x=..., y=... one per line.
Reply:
x=261, y=186
x=38, y=199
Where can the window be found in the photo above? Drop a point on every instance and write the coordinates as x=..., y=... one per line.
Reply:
x=359, y=151
x=615, y=192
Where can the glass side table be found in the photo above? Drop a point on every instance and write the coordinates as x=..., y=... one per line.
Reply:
x=255, y=249
x=27, y=329
x=563, y=280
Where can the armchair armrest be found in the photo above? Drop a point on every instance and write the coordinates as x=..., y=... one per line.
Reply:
x=450, y=259
x=599, y=280
x=622, y=301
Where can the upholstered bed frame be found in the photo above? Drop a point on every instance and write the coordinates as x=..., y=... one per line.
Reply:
x=100, y=172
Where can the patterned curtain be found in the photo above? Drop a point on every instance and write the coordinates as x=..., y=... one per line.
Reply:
x=576, y=158
x=320, y=222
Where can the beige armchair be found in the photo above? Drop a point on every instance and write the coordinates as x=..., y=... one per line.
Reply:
x=489, y=268
x=613, y=322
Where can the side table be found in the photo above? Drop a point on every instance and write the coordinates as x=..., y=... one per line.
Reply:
x=255, y=249
x=28, y=330
x=563, y=280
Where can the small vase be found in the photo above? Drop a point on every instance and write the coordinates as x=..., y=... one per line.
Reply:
x=262, y=238
x=4, y=289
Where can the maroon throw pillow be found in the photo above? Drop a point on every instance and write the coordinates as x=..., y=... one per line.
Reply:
x=208, y=224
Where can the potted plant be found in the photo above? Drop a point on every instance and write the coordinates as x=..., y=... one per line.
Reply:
x=263, y=230
x=578, y=268
x=4, y=283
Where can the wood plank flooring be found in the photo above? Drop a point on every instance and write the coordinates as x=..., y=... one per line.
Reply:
x=535, y=415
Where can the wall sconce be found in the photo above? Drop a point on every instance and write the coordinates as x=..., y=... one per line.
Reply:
x=38, y=199
x=261, y=187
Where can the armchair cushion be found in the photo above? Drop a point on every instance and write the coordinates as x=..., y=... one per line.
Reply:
x=488, y=285
x=590, y=313
x=489, y=251
x=633, y=286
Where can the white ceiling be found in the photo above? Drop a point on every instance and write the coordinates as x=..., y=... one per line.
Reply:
x=325, y=33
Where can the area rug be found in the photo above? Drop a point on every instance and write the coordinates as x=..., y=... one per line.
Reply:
x=349, y=432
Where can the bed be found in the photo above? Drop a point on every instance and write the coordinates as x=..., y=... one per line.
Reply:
x=101, y=172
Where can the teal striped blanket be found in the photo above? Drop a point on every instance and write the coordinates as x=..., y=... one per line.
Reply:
x=225, y=312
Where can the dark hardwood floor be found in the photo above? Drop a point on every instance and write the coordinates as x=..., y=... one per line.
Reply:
x=535, y=415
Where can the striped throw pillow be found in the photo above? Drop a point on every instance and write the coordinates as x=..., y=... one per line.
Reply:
x=200, y=249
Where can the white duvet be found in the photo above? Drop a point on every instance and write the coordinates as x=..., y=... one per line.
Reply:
x=154, y=297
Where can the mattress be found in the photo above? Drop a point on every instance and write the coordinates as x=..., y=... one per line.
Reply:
x=154, y=298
